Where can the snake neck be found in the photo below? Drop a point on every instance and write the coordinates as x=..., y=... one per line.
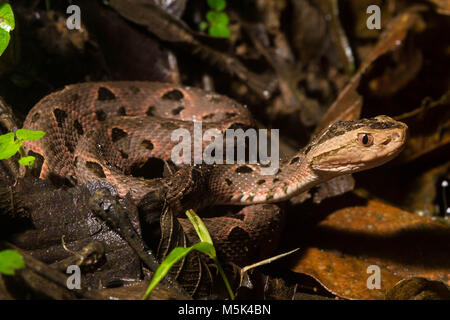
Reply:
x=245, y=184
x=343, y=148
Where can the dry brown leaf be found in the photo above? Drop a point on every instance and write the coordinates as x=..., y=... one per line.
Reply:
x=419, y=289
x=423, y=138
x=349, y=102
x=348, y=241
x=442, y=6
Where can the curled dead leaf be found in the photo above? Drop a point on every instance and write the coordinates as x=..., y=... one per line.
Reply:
x=349, y=102
x=348, y=241
x=419, y=289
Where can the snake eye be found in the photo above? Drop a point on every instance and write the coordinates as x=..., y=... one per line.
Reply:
x=365, y=139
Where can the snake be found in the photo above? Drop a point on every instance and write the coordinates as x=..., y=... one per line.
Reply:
x=105, y=130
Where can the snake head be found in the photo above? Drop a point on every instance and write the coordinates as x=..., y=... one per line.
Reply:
x=350, y=146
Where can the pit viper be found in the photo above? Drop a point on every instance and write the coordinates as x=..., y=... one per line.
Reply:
x=105, y=130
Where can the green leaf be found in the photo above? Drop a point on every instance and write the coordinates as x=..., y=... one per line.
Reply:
x=6, y=25
x=211, y=16
x=8, y=150
x=6, y=17
x=173, y=257
x=199, y=227
x=206, y=247
x=27, y=161
x=217, y=18
x=217, y=5
x=10, y=260
x=218, y=24
x=8, y=146
x=25, y=134
x=204, y=236
x=219, y=31
x=4, y=40
x=203, y=25
x=7, y=138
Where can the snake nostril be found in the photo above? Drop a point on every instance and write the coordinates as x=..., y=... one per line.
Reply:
x=396, y=135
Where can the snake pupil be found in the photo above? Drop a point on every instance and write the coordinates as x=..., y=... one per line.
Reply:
x=365, y=139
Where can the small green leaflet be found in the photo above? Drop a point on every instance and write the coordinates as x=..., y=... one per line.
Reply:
x=218, y=24
x=217, y=17
x=29, y=135
x=4, y=40
x=219, y=31
x=203, y=25
x=8, y=146
x=27, y=161
x=7, y=138
x=10, y=260
x=6, y=25
x=217, y=5
x=6, y=17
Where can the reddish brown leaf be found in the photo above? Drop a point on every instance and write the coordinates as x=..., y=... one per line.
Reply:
x=350, y=240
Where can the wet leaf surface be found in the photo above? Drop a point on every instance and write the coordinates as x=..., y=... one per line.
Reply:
x=134, y=291
x=419, y=289
x=342, y=246
x=53, y=213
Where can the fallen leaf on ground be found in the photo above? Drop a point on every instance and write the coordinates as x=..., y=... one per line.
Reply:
x=347, y=242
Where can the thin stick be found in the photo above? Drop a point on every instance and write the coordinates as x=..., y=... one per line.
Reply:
x=265, y=261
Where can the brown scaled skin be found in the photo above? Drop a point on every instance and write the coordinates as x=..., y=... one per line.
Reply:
x=95, y=130
x=342, y=148
x=98, y=131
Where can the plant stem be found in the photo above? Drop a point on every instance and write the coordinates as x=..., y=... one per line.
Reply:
x=224, y=277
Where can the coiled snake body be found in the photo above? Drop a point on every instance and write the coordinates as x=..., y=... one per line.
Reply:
x=100, y=131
